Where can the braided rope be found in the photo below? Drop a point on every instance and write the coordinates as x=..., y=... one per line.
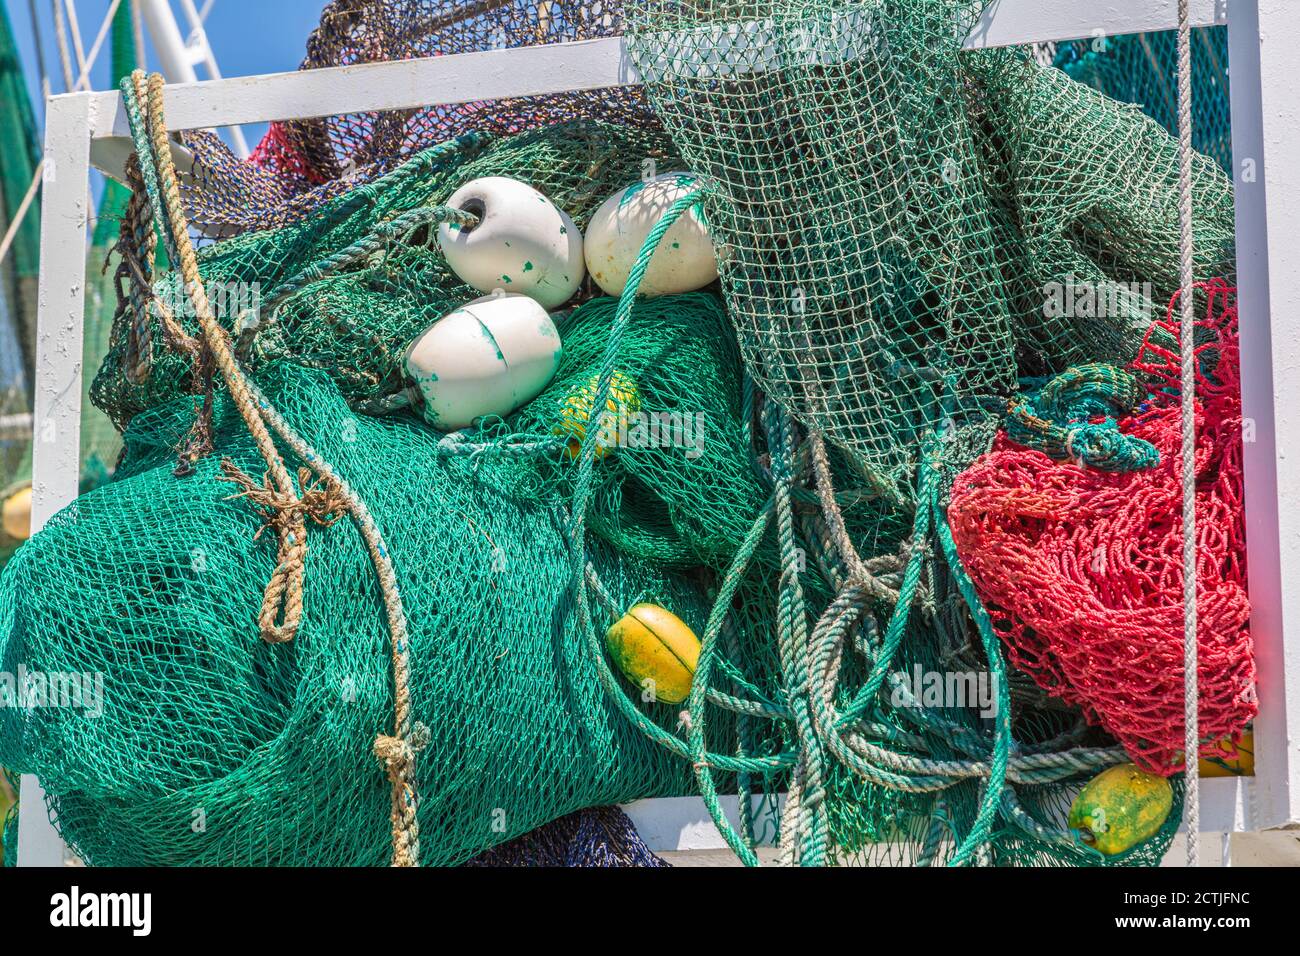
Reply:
x=1187, y=341
x=808, y=812
x=281, y=610
x=397, y=751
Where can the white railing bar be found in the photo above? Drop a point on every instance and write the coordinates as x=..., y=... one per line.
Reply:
x=560, y=67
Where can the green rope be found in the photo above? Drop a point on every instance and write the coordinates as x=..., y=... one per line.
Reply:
x=379, y=236
x=1058, y=420
x=792, y=634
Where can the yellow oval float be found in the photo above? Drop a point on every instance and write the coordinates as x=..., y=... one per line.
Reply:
x=17, y=514
x=622, y=401
x=1120, y=808
x=652, y=644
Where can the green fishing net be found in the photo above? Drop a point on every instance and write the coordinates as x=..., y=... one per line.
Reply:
x=214, y=747
x=889, y=214
x=889, y=208
x=1142, y=69
x=894, y=218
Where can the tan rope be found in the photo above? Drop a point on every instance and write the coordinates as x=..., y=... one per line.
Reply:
x=282, y=600
x=831, y=510
x=286, y=511
x=283, y=513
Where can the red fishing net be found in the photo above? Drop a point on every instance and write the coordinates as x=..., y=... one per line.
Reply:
x=1081, y=569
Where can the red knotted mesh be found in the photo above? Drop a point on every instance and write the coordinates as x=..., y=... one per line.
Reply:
x=1082, y=569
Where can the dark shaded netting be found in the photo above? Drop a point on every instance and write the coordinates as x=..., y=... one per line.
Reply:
x=599, y=837
x=1142, y=69
x=302, y=163
x=357, y=323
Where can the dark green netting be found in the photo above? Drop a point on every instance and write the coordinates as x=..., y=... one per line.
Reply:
x=681, y=488
x=215, y=748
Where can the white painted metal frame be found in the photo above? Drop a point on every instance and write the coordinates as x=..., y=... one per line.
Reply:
x=1264, y=38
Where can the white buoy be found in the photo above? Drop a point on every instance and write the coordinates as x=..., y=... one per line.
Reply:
x=487, y=357
x=684, y=260
x=523, y=242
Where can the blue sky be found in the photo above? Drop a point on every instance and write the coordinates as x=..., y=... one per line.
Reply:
x=247, y=36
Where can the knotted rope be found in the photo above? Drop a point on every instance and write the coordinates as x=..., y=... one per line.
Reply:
x=282, y=512
x=281, y=503
x=1058, y=421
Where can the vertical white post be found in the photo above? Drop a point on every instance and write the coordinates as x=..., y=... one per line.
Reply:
x=56, y=412
x=1264, y=36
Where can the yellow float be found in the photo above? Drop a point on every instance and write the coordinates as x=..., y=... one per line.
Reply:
x=1120, y=808
x=17, y=514
x=656, y=651
x=623, y=401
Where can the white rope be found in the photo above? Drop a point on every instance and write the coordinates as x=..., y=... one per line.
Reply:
x=21, y=212
x=83, y=80
x=75, y=27
x=137, y=28
x=1187, y=330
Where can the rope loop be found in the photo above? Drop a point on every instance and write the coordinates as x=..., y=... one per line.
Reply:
x=283, y=506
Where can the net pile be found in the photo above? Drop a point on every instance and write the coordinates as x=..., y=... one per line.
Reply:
x=215, y=747
x=576, y=164
x=301, y=164
x=1082, y=569
x=889, y=215
x=892, y=211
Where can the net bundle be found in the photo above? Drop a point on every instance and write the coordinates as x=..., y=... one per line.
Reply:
x=891, y=210
x=1081, y=568
x=300, y=164
x=888, y=213
x=215, y=747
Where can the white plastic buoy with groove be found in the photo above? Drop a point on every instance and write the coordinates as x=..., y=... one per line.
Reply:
x=486, y=357
x=523, y=242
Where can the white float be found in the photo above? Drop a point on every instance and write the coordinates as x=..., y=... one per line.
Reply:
x=684, y=260
x=487, y=357
x=523, y=243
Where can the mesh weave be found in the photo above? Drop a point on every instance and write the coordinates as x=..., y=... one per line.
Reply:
x=889, y=214
x=889, y=210
x=1083, y=570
